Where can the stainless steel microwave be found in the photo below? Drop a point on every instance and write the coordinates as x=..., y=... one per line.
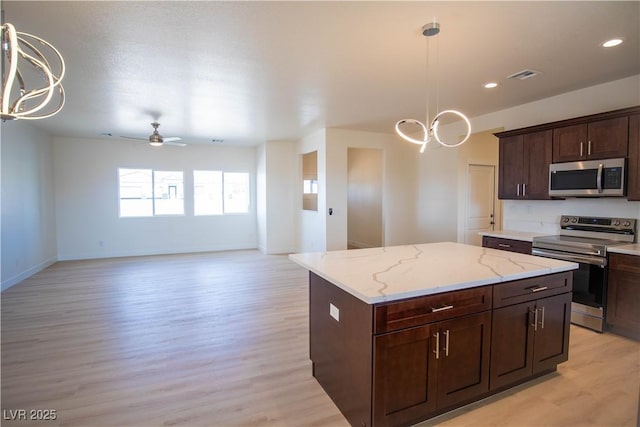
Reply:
x=592, y=178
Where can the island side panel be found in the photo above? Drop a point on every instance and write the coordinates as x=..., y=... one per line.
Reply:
x=341, y=349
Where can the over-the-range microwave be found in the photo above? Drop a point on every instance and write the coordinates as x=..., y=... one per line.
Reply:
x=592, y=178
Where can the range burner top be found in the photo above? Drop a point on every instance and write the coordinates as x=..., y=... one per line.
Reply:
x=589, y=235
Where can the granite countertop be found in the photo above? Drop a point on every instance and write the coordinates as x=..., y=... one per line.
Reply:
x=524, y=236
x=630, y=249
x=392, y=273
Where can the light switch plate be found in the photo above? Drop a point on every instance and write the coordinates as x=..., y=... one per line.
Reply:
x=334, y=312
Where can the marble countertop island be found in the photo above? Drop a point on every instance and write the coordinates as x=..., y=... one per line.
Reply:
x=396, y=272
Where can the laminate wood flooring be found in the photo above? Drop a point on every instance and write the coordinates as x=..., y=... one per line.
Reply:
x=221, y=339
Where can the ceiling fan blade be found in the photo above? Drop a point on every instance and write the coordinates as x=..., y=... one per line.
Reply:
x=133, y=137
x=172, y=139
x=177, y=144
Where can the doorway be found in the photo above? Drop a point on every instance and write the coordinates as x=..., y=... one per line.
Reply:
x=364, y=198
x=479, y=204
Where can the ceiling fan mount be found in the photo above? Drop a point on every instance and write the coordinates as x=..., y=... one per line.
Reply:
x=157, y=140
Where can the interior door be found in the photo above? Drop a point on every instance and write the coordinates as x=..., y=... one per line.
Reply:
x=480, y=208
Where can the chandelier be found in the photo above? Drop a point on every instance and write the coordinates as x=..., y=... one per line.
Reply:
x=429, y=30
x=29, y=82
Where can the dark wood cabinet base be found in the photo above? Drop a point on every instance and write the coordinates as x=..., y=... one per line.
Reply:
x=381, y=374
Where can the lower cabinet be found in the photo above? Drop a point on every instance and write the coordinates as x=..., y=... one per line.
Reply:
x=421, y=370
x=401, y=362
x=506, y=244
x=623, y=295
x=529, y=338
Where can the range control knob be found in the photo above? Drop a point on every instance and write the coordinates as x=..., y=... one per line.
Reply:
x=627, y=223
x=565, y=219
x=616, y=223
x=574, y=220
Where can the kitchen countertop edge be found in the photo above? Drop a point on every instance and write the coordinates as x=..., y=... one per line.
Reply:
x=630, y=249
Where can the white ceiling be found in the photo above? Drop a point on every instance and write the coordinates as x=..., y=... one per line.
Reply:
x=249, y=72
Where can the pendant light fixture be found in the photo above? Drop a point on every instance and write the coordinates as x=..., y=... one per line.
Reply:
x=29, y=82
x=430, y=30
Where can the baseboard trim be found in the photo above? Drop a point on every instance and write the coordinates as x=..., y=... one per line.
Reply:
x=168, y=251
x=6, y=284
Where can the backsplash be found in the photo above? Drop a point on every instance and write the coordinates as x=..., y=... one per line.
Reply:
x=544, y=215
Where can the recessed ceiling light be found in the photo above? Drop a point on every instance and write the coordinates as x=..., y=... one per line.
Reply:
x=612, y=43
x=491, y=85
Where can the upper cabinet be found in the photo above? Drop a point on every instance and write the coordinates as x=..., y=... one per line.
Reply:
x=602, y=139
x=633, y=188
x=524, y=166
x=525, y=154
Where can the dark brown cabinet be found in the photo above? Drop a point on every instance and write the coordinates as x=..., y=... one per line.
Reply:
x=428, y=368
x=529, y=338
x=530, y=329
x=623, y=295
x=602, y=139
x=524, y=166
x=633, y=186
x=506, y=244
x=401, y=362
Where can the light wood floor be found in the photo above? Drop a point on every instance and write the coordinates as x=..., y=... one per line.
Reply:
x=221, y=339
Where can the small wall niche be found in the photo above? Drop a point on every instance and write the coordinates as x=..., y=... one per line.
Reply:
x=310, y=181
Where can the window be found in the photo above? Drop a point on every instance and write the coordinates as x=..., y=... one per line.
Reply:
x=207, y=193
x=168, y=195
x=136, y=192
x=217, y=193
x=144, y=192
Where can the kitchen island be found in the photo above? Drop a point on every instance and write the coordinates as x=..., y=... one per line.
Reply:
x=401, y=334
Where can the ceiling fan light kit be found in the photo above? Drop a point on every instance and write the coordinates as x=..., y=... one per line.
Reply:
x=157, y=140
x=429, y=30
x=22, y=98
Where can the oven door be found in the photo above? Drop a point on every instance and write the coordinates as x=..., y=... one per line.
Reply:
x=589, y=287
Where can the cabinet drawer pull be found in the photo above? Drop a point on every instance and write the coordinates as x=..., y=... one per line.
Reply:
x=538, y=288
x=443, y=308
x=437, y=350
x=503, y=245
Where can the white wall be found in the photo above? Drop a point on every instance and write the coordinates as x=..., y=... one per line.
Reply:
x=364, y=200
x=311, y=226
x=280, y=197
x=86, y=189
x=399, y=185
x=261, y=197
x=28, y=228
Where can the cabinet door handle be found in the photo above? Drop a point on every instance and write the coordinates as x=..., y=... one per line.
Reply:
x=518, y=190
x=542, y=318
x=437, y=350
x=443, y=308
x=535, y=319
x=446, y=343
x=581, y=148
x=524, y=190
x=538, y=288
x=589, y=148
x=504, y=245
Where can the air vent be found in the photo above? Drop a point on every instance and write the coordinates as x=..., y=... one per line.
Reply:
x=523, y=75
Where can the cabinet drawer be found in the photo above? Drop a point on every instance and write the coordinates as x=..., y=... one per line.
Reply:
x=531, y=289
x=506, y=244
x=623, y=262
x=407, y=313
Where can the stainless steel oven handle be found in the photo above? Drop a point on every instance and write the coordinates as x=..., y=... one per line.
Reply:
x=599, y=261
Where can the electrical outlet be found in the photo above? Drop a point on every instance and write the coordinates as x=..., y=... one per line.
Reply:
x=334, y=312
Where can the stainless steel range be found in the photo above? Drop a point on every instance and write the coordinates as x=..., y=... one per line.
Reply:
x=585, y=240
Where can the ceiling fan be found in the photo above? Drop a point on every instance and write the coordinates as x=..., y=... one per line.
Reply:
x=158, y=140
